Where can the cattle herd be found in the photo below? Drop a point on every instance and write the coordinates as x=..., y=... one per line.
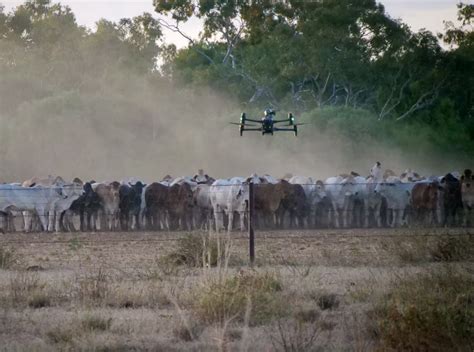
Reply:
x=381, y=199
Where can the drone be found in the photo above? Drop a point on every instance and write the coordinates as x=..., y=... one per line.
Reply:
x=267, y=123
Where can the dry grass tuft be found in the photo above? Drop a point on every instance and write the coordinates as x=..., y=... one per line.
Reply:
x=8, y=257
x=187, y=330
x=96, y=322
x=429, y=312
x=93, y=288
x=23, y=288
x=225, y=298
x=293, y=335
x=39, y=300
x=196, y=250
x=60, y=335
x=327, y=301
x=453, y=249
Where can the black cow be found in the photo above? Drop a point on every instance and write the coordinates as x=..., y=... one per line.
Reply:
x=87, y=206
x=130, y=203
x=452, y=200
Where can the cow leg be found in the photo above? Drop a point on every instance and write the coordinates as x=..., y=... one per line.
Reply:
x=10, y=222
x=242, y=221
x=43, y=216
x=56, y=221
x=378, y=215
x=27, y=220
x=231, y=221
x=69, y=221
x=346, y=216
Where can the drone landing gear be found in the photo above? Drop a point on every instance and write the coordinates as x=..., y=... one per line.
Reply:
x=295, y=128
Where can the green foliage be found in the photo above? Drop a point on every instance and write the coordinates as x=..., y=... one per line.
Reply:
x=346, y=66
x=433, y=312
x=443, y=136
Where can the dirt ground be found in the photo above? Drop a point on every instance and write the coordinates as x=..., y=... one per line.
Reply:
x=116, y=291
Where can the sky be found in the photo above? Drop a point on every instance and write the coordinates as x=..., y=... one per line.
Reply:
x=418, y=14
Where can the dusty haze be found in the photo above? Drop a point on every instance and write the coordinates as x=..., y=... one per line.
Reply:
x=115, y=136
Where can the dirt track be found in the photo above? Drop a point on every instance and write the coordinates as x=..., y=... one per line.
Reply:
x=315, y=247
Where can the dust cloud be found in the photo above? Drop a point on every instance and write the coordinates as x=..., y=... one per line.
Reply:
x=133, y=127
x=173, y=131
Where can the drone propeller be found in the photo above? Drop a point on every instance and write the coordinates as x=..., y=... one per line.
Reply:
x=298, y=124
x=241, y=124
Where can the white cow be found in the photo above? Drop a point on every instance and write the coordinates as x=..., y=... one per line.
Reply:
x=373, y=201
x=398, y=195
x=203, y=205
x=38, y=199
x=202, y=178
x=338, y=200
x=344, y=192
x=376, y=172
x=184, y=179
x=229, y=197
x=410, y=176
x=71, y=192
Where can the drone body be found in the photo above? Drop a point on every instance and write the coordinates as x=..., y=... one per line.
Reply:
x=267, y=124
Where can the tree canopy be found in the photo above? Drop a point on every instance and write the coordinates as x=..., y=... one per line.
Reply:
x=330, y=61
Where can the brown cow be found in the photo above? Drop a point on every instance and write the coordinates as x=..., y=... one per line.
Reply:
x=180, y=206
x=294, y=203
x=110, y=199
x=424, y=198
x=268, y=198
x=467, y=195
x=156, y=196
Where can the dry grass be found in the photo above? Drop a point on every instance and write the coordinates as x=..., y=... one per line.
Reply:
x=225, y=298
x=328, y=293
x=8, y=257
x=432, y=311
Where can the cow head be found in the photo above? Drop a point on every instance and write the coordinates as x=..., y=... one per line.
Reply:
x=60, y=193
x=72, y=190
x=138, y=187
x=347, y=186
x=319, y=192
x=87, y=188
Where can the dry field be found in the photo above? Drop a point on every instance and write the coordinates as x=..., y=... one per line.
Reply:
x=336, y=290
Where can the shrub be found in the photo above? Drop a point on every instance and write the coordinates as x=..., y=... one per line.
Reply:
x=225, y=299
x=187, y=330
x=61, y=335
x=294, y=335
x=23, y=285
x=452, y=249
x=39, y=300
x=96, y=323
x=429, y=312
x=8, y=257
x=93, y=288
x=197, y=251
x=328, y=301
